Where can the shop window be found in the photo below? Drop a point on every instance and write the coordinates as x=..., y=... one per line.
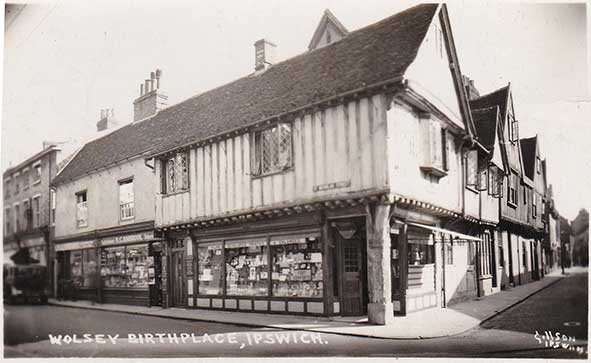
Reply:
x=89, y=268
x=81, y=209
x=297, y=267
x=125, y=266
x=247, y=272
x=210, y=261
x=126, y=201
x=17, y=216
x=76, y=268
x=421, y=251
x=272, y=150
x=175, y=176
x=27, y=215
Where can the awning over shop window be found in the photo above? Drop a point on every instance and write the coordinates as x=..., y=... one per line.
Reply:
x=455, y=235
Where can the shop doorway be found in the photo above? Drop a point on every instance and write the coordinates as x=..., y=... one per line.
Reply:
x=352, y=254
x=177, y=274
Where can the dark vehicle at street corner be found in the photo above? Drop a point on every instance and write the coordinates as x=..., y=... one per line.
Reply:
x=25, y=283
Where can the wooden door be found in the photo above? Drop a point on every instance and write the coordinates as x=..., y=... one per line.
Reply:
x=354, y=287
x=178, y=285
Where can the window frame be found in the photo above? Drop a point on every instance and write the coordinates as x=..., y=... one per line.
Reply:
x=164, y=174
x=37, y=175
x=25, y=178
x=513, y=128
x=36, y=209
x=512, y=190
x=132, y=207
x=78, y=220
x=257, y=154
x=471, y=184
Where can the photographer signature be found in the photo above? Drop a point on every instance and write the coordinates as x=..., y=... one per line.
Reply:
x=558, y=340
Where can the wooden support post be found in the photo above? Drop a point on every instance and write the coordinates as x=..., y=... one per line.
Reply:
x=379, y=277
x=327, y=243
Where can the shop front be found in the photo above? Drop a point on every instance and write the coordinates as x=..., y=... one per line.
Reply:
x=117, y=269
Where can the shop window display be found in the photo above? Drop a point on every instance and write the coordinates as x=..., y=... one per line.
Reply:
x=297, y=267
x=89, y=268
x=125, y=266
x=421, y=251
x=211, y=257
x=76, y=268
x=247, y=268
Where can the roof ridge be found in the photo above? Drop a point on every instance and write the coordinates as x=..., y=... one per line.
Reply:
x=491, y=93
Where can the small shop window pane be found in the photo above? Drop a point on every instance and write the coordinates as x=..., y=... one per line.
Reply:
x=247, y=270
x=89, y=270
x=210, y=261
x=137, y=266
x=421, y=251
x=297, y=267
x=76, y=268
x=113, y=271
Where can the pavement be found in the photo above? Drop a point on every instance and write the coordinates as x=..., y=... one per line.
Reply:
x=454, y=320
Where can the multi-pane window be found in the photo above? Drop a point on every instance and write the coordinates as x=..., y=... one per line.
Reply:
x=495, y=182
x=7, y=226
x=7, y=188
x=17, y=187
x=485, y=252
x=17, y=218
x=534, y=206
x=81, y=209
x=37, y=174
x=25, y=177
x=472, y=176
x=53, y=203
x=176, y=173
x=126, y=207
x=36, y=212
x=513, y=128
x=272, y=149
x=27, y=214
x=512, y=188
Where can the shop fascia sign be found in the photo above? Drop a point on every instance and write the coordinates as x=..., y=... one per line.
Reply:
x=78, y=245
x=37, y=241
x=127, y=238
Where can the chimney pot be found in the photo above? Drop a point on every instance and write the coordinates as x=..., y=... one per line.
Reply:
x=151, y=99
x=147, y=85
x=141, y=89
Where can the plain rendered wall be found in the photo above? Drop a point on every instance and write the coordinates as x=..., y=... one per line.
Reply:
x=103, y=198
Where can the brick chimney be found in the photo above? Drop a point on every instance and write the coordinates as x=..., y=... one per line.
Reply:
x=471, y=90
x=264, y=54
x=151, y=99
x=107, y=120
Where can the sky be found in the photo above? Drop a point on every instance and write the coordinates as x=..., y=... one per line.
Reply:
x=66, y=60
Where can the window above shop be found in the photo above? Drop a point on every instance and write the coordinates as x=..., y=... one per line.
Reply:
x=175, y=173
x=126, y=200
x=37, y=173
x=272, y=150
x=81, y=209
x=436, y=154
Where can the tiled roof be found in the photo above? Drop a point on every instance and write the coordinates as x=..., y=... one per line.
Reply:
x=485, y=121
x=495, y=98
x=373, y=54
x=528, y=152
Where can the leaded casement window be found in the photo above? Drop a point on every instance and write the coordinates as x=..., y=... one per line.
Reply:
x=513, y=128
x=175, y=173
x=471, y=167
x=512, y=185
x=272, y=150
x=81, y=209
x=495, y=182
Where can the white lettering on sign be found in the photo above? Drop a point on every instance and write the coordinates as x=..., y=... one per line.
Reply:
x=75, y=245
x=144, y=236
x=337, y=185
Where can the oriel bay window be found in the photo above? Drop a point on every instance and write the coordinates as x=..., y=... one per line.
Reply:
x=175, y=173
x=272, y=150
